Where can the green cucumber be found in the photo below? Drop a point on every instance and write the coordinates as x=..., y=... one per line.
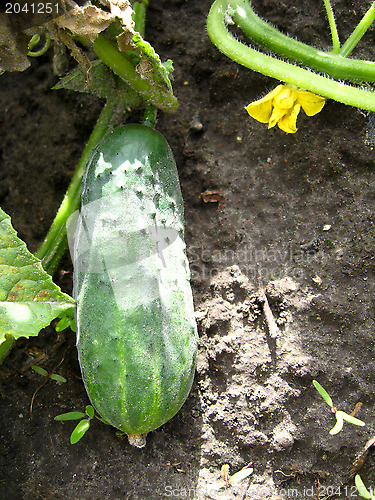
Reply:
x=136, y=331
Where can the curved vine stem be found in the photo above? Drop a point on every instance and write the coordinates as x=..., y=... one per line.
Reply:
x=273, y=67
x=34, y=41
x=328, y=63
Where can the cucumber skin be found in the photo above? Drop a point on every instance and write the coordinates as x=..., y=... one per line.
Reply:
x=136, y=332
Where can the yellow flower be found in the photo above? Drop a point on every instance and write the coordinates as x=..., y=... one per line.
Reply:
x=282, y=106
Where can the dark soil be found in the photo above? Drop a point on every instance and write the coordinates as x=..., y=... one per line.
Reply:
x=298, y=211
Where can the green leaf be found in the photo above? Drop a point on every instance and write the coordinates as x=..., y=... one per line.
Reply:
x=58, y=378
x=362, y=490
x=67, y=321
x=71, y=415
x=29, y=300
x=351, y=420
x=102, y=83
x=90, y=411
x=339, y=424
x=79, y=431
x=62, y=324
x=323, y=393
x=40, y=370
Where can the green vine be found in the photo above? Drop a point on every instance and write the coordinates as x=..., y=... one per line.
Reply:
x=331, y=65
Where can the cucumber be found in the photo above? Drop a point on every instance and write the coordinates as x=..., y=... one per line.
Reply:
x=136, y=332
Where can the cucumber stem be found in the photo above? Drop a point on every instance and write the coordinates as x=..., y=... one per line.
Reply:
x=359, y=31
x=140, y=7
x=332, y=64
x=140, y=16
x=152, y=92
x=55, y=243
x=149, y=117
x=333, y=27
x=137, y=440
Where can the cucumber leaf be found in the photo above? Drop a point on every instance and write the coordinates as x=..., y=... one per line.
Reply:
x=339, y=424
x=241, y=475
x=40, y=370
x=102, y=83
x=57, y=378
x=351, y=419
x=29, y=300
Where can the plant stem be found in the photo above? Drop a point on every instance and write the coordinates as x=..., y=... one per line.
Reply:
x=328, y=63
x=281, y=70
x=152, y=92
x=140, y=16
x=149, y=117
x=359, y=31
x=150, y=114
x=55, y=243
x=333, y=28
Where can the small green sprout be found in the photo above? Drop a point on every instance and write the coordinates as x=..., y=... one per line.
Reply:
x=362, y=490
x=241, y=474
x=48, y=376
x=340, y=415
x=82, y=426
x=67, y=320
x=44, y=373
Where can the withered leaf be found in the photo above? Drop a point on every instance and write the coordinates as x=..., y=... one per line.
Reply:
x=13, y=48
x=87, y=21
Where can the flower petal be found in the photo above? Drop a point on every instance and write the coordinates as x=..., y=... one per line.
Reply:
x=261, y=109
x=286, y=98
x=310, y=103
x=276, y=116
x=272, y=94
x=282, y=105
x=288, y=123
